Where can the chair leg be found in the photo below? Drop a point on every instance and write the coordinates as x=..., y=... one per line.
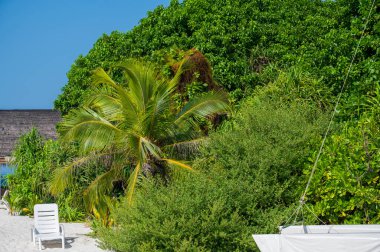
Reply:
x=63, y=242
x=40, y=244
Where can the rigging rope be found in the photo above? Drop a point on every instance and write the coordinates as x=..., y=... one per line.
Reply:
x=302, y=199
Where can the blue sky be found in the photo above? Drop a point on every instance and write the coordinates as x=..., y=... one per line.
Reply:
x=40, y=39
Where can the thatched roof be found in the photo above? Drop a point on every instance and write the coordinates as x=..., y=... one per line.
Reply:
x=14, y=123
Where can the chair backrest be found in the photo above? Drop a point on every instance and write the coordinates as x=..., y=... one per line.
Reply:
x=46, y=219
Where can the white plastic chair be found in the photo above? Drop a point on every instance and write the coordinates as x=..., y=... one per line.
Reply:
x=46, y=224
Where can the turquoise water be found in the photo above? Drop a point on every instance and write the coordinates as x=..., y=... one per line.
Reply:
x=4, y=171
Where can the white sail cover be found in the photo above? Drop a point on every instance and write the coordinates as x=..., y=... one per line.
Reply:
x=328, y=238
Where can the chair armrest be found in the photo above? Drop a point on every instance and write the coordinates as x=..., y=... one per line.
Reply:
x=62, y=229
x=33, y=233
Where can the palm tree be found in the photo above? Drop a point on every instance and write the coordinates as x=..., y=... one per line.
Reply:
x=133, y=126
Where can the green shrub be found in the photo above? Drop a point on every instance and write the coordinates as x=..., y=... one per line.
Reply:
x=345, y=187
x=191, y=214
x=198, y=212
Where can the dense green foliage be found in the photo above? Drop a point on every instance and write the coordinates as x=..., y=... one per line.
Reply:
x=246, y=182
x=242, y=38
x=346, y=184
x=35, y=159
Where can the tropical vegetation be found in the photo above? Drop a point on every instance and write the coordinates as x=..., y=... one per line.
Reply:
x=141, y=102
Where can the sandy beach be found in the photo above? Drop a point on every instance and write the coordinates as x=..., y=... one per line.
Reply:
x=15, y=236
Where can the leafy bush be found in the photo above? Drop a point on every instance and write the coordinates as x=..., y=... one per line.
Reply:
x=345, y=186
x=191, y=214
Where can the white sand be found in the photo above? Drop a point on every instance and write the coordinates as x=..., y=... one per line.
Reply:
x=15, y=236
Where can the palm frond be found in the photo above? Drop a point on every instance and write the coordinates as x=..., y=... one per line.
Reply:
x=120, y=93
x=99, y=76
x=63, y=177
x=150, y=148
x=107, y=105
x=184, y=66
x=141, y=82
x=100, y=187
x=156, y=110
x=186, y=147
x=89, y=129
x=178, y=164
x=132, y=182
x=204, y=106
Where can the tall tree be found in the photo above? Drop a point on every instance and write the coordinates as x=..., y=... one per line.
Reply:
x=133, y=129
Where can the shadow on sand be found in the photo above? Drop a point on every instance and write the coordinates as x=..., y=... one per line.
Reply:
x=58, y=244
